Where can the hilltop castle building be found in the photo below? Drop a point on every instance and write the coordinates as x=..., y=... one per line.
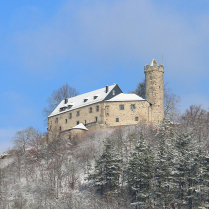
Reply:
x=109, y=106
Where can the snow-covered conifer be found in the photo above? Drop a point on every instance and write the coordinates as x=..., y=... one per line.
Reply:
x=140, y=173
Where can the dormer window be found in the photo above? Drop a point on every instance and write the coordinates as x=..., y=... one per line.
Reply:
x=85, y=100
x=95, y=97
x=69, y=106
x=63, y=108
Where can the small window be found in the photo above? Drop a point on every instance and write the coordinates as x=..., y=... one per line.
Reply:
x=65, y=120
x=121, y=107
x=113, y=92
x=95, y=97
x=60, y=128
x=96, y=119
x=77, y=122
x=85, y=100
x=97, y=108
x=85, y=122
x=117, y=119
x=77, y=113
x=69, y=106
x=56, y=120
x=70, y=115
x=90, y=110
x=133, y=106
x=136, y=118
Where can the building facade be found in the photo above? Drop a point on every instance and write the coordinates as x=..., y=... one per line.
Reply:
x=109, y=106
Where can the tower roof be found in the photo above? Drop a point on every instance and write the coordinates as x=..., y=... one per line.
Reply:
x=153, y=62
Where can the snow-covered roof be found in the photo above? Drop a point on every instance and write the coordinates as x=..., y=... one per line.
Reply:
x=83, y=100
x=80, y=126
x=125, y=97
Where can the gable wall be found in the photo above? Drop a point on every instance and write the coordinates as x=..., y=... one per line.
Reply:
x=127, y=116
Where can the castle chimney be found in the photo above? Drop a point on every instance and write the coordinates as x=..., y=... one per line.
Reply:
x=106, y=89
x=66, y=100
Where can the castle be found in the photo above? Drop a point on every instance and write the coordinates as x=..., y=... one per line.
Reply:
x=109, y=106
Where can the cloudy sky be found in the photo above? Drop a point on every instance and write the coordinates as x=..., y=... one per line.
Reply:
x=90, y=44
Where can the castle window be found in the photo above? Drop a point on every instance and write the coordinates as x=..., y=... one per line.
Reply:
x=136, y=118
x=85, y=100
x=95, y=97
x=85, y=122
x=133, y=106
x=60, y=128
x=56, y=120
x=77, y=113
x=77, y=122
x=69, y=106
x=65, y=120
x=95, y=119
x=121, y=107
x=90, y=110
x=113, y=92
x=117, y=119
x=97, y=108
x=70, y=115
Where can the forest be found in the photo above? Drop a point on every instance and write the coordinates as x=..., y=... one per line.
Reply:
x=142, y=166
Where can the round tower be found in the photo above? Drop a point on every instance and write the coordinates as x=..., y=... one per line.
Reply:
x=154, y=83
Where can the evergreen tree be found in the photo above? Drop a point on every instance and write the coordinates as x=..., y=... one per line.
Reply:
x=107, y=170
x=139, y=173
x=185, y=171
x=163, y=165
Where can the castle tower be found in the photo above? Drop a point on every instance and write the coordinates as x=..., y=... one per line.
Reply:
x=155, y=90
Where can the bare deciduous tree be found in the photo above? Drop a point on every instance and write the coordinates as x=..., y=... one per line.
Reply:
x=65, y=91
x=22, y=138
x=171, y=102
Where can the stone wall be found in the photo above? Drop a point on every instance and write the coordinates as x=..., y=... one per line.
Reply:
x=142, y=112
x=63, y=120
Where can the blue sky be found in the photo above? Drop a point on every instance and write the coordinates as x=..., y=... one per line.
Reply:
x=90, y=44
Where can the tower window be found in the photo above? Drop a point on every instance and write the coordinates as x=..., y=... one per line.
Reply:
x=65, y=120
x=90, y=110
x=70, y=115
x=96, y=119
x=136, y=118
x=77, y=122
x=56, y=120
x=121, y=107
x=77, y=113
x=85, y=122
x=97, y=108
x=117, y=119
x=133, y=106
